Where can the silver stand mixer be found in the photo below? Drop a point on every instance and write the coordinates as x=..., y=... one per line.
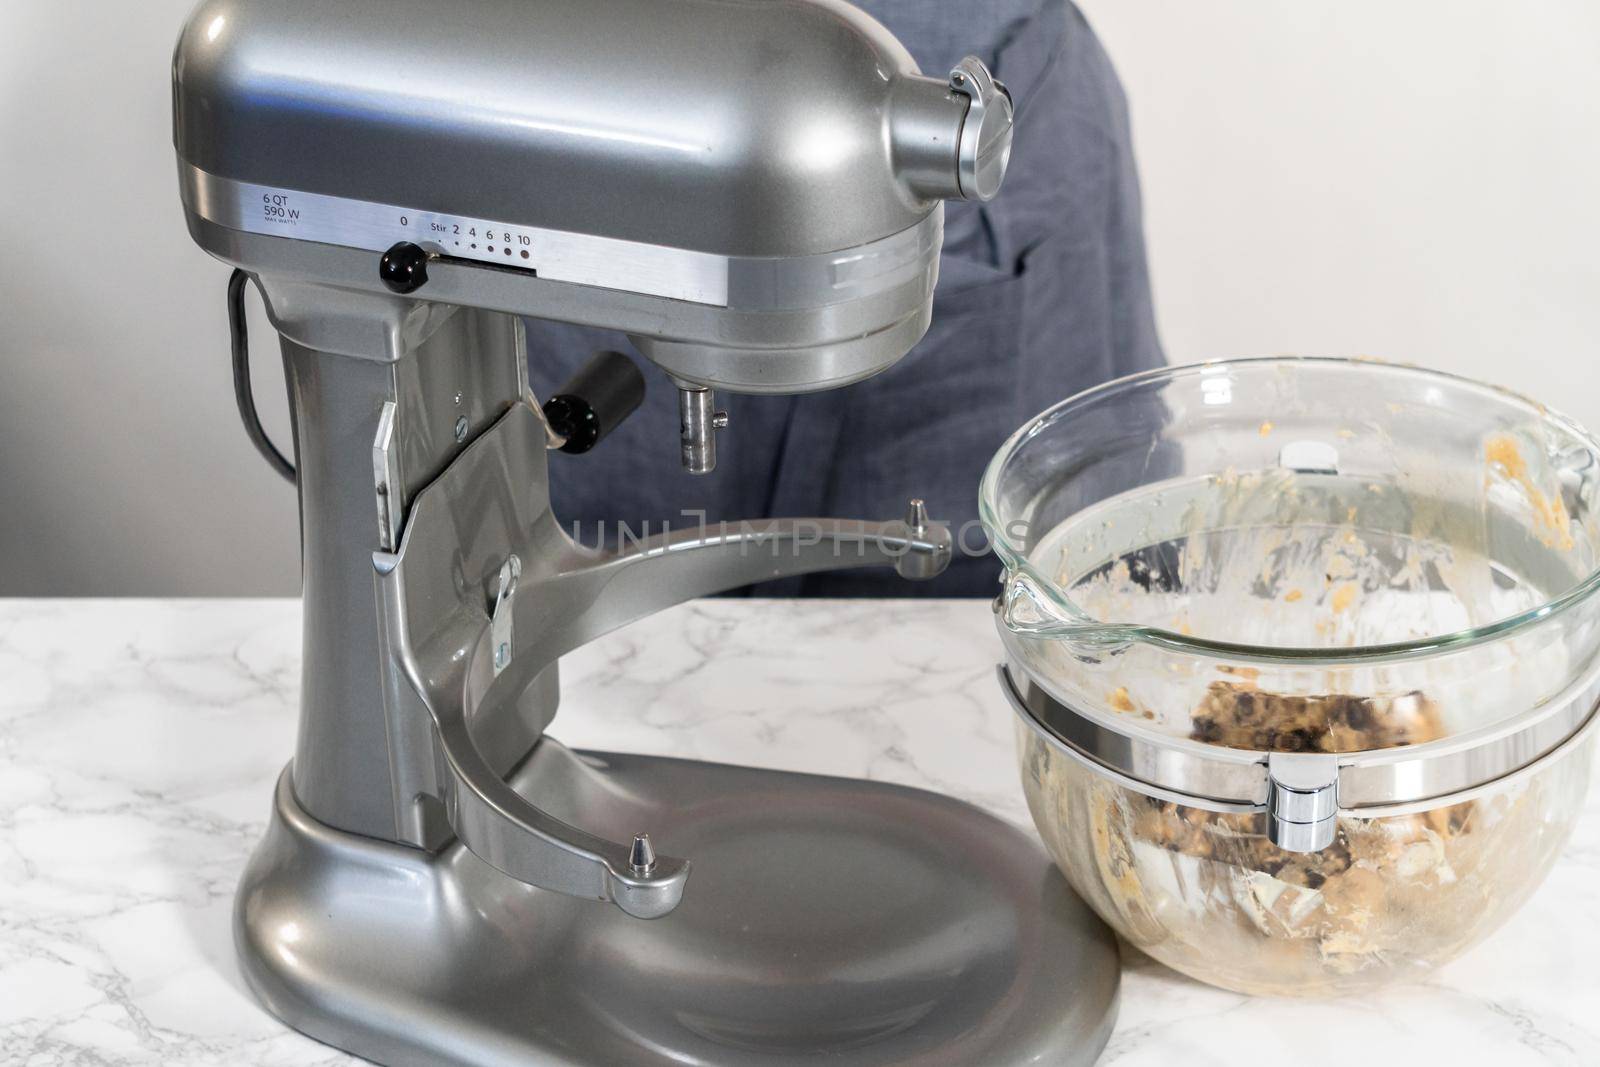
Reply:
x=751, y=190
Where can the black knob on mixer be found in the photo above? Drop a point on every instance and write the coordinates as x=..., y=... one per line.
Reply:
x=404, y=268
x=594, y=402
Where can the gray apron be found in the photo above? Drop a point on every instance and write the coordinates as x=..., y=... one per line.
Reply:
x=1041, y=293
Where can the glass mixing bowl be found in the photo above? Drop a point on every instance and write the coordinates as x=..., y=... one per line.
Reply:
x=1304, y=658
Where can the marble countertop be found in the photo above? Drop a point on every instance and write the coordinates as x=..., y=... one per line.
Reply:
x=139, y=741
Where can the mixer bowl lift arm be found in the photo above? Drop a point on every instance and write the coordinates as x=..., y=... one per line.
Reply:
x=475, y=614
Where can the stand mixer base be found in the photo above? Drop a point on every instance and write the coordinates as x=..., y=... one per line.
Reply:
x=824, y=918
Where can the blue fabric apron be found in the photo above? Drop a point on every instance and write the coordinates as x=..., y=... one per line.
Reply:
x=1041, y=293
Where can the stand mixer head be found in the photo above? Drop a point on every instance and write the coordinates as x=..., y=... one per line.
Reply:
x=752, y=191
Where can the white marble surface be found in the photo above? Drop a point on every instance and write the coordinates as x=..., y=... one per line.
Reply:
x=139, y=741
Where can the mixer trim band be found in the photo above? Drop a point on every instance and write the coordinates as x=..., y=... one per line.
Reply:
x=742, y=282
x=674, y=273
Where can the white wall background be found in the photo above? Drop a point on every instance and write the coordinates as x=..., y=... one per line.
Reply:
x=1417, y=181
x=123, y=469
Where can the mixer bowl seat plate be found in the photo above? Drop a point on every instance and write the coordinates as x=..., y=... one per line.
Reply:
x=824, y=919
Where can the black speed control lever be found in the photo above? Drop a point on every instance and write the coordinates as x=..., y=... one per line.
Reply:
x=595, y=400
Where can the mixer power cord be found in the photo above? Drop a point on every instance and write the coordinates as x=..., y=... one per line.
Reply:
x=239, y=338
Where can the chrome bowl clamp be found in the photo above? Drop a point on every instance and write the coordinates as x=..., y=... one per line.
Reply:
x=1304, y=794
